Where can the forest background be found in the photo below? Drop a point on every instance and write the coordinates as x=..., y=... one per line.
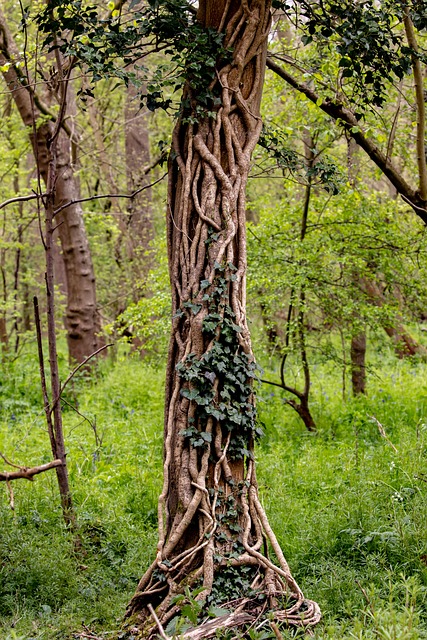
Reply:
x=336, y=295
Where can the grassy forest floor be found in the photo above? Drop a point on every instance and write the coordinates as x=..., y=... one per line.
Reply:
x=348, y=505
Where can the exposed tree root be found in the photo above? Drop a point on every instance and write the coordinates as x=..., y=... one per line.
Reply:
x=273, y=589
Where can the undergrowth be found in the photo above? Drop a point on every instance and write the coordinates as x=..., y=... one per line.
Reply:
x=347, y=504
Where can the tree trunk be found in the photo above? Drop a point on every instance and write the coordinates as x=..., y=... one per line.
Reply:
x=404, y=344
x=358, y=368
x=212, y=526
x=81, y=321
x=139, y=211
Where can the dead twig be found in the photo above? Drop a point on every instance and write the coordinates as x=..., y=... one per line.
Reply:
x=382, y=432
x=109, y=195
x=365, y=595
x=11, y=464
x=158, y=623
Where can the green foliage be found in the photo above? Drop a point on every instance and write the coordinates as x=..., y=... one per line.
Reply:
x=367, y=501
x=47, y=584
x=349, y=511
x=148, y=319
x=371, y=51
x=349, y=240
x=324, y=172
x=107, y=44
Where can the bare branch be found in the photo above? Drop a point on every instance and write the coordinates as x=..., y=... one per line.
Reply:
x=348, y=120
x=34, y=196
x=109, y=195
x=11, y=464
x=382, y=432
x=28, y=474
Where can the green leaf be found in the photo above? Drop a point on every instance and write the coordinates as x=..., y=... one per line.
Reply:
x=217, y=612
x=188, y=611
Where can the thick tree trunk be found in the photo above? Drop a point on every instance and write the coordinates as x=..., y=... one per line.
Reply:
x=82, y=321
x=81, y=317
x=212, y=526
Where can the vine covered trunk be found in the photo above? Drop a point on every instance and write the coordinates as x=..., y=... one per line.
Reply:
x=214, y=536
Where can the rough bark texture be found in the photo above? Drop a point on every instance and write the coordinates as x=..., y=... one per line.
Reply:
x=82, y=321
x=212, y=526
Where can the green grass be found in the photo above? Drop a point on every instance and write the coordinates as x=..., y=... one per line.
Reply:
x=348, y=509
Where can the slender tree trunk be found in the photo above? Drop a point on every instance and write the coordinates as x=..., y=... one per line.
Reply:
x=301, y=401
x=139, y=211
x=358, y=368
x=212, y=526
x=358, y=340
x=82, y=321
x=4, y=338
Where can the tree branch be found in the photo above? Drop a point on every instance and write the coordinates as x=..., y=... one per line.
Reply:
x=348, y=120
x=28, y=474
x=35, y=196
x=285, y=387
x=109, y=195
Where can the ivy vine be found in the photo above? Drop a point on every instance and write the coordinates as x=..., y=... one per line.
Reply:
x=113, y=45
x=224, y=365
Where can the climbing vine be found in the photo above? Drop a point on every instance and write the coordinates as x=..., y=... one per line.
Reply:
x=214, y=535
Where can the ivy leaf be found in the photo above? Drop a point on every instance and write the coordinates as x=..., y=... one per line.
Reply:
x=195, y=308
x=191, y=394
x=217, y=612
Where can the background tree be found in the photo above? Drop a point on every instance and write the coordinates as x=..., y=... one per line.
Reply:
x=81, y=318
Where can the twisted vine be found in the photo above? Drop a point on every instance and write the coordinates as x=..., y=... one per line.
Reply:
x=211, y=520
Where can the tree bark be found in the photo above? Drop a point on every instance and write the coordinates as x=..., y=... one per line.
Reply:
x=81, y=319
x=139, y=211
x=211, y=521
x=358, y=368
